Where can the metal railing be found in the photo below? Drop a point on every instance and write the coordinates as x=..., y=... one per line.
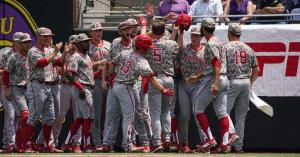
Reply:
x=113, y=18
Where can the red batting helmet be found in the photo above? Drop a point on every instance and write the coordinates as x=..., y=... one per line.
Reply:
x=143, y=42
x=183, y=21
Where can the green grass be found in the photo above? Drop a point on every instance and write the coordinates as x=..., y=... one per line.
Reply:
x=152, y=155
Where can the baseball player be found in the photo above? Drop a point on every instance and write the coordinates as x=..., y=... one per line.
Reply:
x=142, y=122
x=41, y=61
x=113, y=113
x=67, y=100
x=80, y=74
x=129, y=66
x=15, y=79
x=9, y=110
x=55, y=90
x=161, y=59
x=242, y=71
x=192, y=64
x=99, y=50
x=213, y=90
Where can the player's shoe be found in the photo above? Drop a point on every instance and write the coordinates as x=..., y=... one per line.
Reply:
x=89, y=149
x=9, y=149
x=232, y=139
x=174, y=147
x=157, y=149
x=146, y=149
x=76, y=149
x=206, y=145
x=104, y=149
x=166, y=145
x=184, y=148
x=222, y=149
x=29, y=150
x=135, y=149
x=240, y=151
x=67, y=148
x=52, y=149
x=38, y=147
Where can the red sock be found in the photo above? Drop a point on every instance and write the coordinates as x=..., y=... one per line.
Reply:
x=224, y=128
x=86, y=131
x=74, y=128
x=47, y=134
x=203, y=121
x=174, y=129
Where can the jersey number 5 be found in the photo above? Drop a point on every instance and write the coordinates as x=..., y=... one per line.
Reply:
x=240, y=57
x=157, y=54
x=126, y=66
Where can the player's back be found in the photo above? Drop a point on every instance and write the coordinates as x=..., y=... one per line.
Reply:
x=162, y=57
x=240, y=60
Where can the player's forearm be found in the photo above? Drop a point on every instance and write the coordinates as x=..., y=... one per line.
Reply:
x=72, y=80
x=254, y=74
x=63, y=57
x=101, y=62
x=199, y=76
x=156, y=84
x=43, y=62
x=111, y=67
x=180, y=41
x=174, y=34
x=104, y=71
x=144, y=30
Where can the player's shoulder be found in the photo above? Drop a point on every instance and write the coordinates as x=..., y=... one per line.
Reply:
x=106, y=44
x=116, y=41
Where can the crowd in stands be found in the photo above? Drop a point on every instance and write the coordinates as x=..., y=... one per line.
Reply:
x=169, y=9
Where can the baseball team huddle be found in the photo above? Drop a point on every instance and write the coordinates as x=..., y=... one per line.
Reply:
x=137, y=80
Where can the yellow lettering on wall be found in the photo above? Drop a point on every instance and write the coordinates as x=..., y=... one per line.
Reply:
x=3, y=25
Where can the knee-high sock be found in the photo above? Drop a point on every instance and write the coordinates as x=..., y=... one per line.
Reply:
x=47, y=134
x=73, y=129
x=224, y=130
x=203, y=121
x=86, y=131
x=174, y=130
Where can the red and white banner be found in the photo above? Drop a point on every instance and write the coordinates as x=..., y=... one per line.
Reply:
x=277, y=49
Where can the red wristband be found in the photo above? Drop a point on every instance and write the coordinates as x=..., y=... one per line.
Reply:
x=216, y=62
x=78, y=85
x=5, y=79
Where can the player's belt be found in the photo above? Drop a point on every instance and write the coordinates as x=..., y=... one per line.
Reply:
x=47, y=82
x=126, y=82
x=20, y=86
x=162, y=74
x=67, y=83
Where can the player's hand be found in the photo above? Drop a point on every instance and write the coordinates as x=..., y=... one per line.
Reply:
x=67, y=47
x=170, y=16
x=81, y=94
x=143, y=21
x=167, y=92
x=191, y=80
x=214, y=89
x=58, y=46
x=149, y=9
x=8, y=94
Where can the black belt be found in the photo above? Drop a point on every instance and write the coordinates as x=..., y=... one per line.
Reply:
x=88, y=85
x=20, y=86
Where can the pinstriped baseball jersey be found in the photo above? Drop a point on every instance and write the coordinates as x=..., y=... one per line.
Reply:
x=117, y=48
x=4, y=58
x=130, y=65
x=240, y=60
x=192, y=61
x=162, y=57
x=81, y=65
x=213, y=48
x=39, y=73
x=18, y=69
